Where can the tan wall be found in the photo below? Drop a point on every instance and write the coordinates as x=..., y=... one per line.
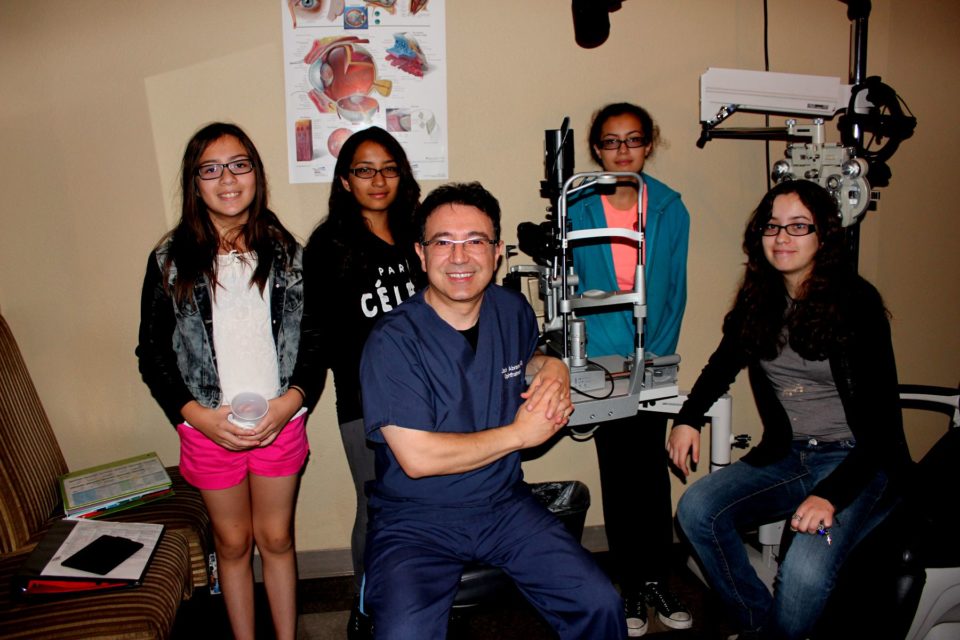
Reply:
x=100, y=96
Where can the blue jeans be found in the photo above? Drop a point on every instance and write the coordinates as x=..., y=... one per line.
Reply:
x=715, y=509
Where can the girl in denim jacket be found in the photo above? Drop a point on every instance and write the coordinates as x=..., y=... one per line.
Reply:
x=220, y=314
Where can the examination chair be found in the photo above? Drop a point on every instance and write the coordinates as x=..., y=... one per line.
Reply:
x=903, y=580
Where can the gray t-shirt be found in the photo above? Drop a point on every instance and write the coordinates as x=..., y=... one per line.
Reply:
x=808, y=394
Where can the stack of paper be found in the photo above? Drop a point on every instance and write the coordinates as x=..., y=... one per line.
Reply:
x=108, y=488
x=81, y=556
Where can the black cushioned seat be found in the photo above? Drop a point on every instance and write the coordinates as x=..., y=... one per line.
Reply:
x=568, y=500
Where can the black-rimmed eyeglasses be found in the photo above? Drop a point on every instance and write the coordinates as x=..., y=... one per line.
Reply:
x=792, y=229
x=214, y=170
x=367, y=173
x=632, y=142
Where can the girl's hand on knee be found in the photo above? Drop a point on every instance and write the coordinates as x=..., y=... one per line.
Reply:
x=812, y=513
x=279, y=412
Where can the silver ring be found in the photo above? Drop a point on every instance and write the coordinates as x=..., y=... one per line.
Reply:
x=796, y=516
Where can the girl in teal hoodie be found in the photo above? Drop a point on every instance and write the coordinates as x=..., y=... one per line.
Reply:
x=630, y=451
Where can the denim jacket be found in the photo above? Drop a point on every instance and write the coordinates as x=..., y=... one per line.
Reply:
x=176, y=353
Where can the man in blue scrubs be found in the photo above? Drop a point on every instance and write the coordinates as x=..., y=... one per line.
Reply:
x=442, y=377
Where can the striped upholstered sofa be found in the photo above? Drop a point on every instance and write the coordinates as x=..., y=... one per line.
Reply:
x=30, y=463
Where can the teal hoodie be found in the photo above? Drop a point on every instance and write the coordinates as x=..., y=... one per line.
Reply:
x=666, y=235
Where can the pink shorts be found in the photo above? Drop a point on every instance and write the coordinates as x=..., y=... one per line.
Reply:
x=206, y=465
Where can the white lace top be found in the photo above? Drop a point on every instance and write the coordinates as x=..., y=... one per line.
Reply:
x=242, y=334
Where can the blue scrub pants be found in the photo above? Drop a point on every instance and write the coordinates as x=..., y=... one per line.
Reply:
x=717, y=507
x=414, y=566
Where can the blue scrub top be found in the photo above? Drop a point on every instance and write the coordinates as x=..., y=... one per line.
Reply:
x=418, y=372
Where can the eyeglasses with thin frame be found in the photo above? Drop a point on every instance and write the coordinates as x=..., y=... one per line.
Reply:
x=470, y=245
x=632, y=142
x=214, y=170
x=367, y=173
x=792, y=229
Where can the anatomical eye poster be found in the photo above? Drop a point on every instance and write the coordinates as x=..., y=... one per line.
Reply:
x=353, y=64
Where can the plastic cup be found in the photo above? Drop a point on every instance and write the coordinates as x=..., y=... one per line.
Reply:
x=247, y=409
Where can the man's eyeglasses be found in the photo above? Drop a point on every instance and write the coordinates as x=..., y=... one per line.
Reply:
x=470, y=245
x=613, y=144
x=367, y=173
x=214, y=170
x=792, y=229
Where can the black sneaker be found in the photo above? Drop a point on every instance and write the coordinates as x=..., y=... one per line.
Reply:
x=669, y=609
x=635, y=610
x=359, y=626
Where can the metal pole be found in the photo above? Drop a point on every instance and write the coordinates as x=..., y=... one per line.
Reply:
x=858, y=11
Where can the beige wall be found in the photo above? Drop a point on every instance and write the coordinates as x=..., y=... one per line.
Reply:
x=100, y=96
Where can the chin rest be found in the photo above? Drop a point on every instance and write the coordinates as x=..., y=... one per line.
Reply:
x=568, y=500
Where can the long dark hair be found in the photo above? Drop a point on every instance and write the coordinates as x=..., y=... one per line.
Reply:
x=194, y=242
x=816, y=320
x=344, y=222
x=650, y=130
